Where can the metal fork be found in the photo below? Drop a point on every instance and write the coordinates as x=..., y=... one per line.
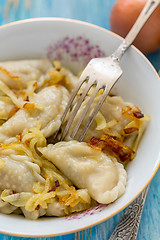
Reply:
x=102, y=73
x=128, y=226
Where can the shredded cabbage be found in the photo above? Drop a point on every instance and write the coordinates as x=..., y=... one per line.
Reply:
x=44, y=192
x=101, y=121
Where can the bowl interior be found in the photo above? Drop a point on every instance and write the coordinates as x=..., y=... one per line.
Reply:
x=75, y=43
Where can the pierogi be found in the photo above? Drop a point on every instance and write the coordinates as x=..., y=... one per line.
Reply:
x=88, y=168
x=39, y=177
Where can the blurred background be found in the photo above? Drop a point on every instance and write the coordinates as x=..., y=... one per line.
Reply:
x=97, y=12
x=93, y=11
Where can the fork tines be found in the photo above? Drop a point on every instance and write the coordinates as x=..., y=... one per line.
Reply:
x=90, y=84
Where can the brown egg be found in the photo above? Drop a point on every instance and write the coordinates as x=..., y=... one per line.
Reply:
x=123, y=15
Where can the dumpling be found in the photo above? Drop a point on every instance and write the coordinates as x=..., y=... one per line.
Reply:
x=102, y=175
x=34, y=214
x=52, y=100
x=17, y=175
x=55, y=209
x=27, y=70
x=112, y=109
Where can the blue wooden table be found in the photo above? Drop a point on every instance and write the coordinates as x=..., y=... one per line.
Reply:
x=96, y=12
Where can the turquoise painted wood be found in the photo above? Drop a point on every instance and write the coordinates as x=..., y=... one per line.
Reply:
x=96, y=12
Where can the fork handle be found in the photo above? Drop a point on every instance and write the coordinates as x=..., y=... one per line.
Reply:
x=148, y=9
x=129, y=223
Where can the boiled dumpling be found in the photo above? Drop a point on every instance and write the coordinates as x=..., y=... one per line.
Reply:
x=55, y=209
x=27, y=70
x=34, y=214
x=17, y=175
x=52, y=101
x=102, y=175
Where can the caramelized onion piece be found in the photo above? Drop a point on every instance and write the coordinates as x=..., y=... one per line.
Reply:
x=95, y=143
x=13, y=111
x=29, y=106
x=133, y=112
x=138, y=114
x=112, y=146
x=11, y=76
x=27, y=99
x=130, y=130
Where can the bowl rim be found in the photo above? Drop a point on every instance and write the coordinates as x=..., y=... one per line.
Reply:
x=59, y=19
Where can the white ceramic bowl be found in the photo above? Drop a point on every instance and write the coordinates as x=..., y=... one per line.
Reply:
x=75, y=42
